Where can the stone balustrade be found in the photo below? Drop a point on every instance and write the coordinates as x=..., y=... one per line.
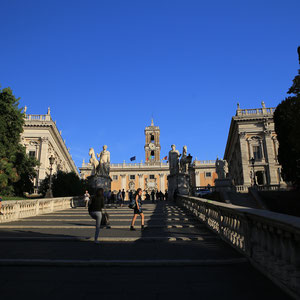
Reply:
x=38, y=117
x=241, y=188
x=256, y=111
x=14, y=210
x=271, y=241
x=204, y=162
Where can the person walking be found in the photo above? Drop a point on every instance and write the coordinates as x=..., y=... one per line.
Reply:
x=138, y=209
x=95, y=210
x=152, y=196
x=123, y=195
x=130, y=195
x=120, y=198
x=166, y=195
x=86, y=198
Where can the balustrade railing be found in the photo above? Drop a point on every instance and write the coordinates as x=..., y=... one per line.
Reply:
x=14, y=210
x=38, y=117
x=271, y=241
x=256, y=111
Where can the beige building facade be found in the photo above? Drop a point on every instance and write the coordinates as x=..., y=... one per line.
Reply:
x=42, y=140
x=252, y=148
x=152, y=174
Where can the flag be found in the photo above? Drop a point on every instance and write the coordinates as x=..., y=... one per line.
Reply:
x=147, y=158
x=132, y=158
x=166, y=157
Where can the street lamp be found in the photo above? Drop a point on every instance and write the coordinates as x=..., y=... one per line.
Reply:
x=252, y=162
x=49, y=193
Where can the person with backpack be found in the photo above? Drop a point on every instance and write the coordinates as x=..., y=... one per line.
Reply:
x=138, y=209
x=96, y=205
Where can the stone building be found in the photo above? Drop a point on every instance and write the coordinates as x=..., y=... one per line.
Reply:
x=151, y=174
x=42, y=139
x=203, y=173
x=252, y=148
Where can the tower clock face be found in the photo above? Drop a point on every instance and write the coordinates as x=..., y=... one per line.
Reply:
x=151, y=146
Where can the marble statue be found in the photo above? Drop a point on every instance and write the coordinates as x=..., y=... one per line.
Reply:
x=221, y=168
x=174, y=160
x=93, y=160
x=184, y=164
x=104, y=162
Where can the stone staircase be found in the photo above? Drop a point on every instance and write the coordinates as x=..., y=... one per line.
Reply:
x=175, y=256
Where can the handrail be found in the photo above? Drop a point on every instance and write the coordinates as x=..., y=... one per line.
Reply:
x=271, y=241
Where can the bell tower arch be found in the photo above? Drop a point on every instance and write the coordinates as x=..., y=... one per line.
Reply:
x=152, y=143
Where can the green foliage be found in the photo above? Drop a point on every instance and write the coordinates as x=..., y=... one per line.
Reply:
x=16, y=168
x=287, y=127
x=64, y=184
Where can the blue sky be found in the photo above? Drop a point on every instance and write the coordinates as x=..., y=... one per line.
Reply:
x=105, y=67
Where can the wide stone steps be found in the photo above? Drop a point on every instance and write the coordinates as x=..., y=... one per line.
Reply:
x=53, y=256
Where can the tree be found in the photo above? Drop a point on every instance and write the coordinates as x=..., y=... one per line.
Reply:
x=16, y=168
x=64, y=185
x=287, y=127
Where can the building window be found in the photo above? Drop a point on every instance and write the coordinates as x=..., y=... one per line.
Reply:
x=152, y=177
x=32, y=154
x=207, y=174
x=131, y=176
x=152, y=153
x=152, y=137
x=256, y=153
x=115, y=177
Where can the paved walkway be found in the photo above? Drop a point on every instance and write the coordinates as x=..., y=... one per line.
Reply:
x=53, y=256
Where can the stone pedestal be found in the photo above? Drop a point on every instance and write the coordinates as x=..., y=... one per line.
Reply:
x=178, y=183
x=223, y=185
x=101, y=181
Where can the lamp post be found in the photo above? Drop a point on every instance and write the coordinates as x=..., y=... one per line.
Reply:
x=49, y=193
x=252, y=162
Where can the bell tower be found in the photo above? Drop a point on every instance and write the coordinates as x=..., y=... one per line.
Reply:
x=152, y=143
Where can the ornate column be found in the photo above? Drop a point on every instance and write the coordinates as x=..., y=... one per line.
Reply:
x=245, y=159
x=271, y=158
x=197, y=178
x=261, y=145
x=43, y=158
x=276, y=145
x=123, y=181
x=141, y=181
x=250, y=149
x=161, y=182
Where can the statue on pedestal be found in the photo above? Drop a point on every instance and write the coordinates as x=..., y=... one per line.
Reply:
x=103, y=167
x=93, y=160
x=221, y=168
x=184, y=164
x=174, y=160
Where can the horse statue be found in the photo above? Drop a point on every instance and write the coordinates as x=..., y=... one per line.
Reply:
x=93, y=160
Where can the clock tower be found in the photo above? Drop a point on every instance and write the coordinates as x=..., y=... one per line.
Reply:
x=152, y=144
